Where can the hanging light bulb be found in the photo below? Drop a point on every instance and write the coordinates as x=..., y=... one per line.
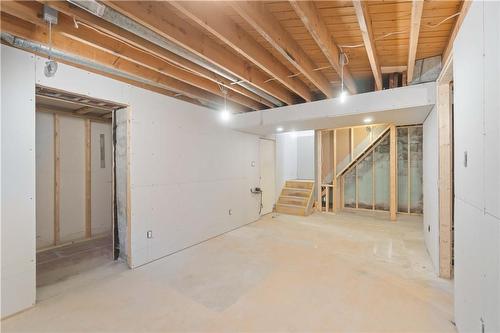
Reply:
x=225, y=115
x=343, y=93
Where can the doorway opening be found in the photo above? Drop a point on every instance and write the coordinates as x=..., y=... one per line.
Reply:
x=75, y=214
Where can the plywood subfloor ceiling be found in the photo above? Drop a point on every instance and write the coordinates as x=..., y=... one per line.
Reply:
x=250, y=55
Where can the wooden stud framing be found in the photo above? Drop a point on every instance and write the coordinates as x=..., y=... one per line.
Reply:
x=57, y=180
x=416, y=16
x=445, y=124
x=393, y=173
x=129, y=194
x=364, y=22
x=88, y=180
x=318, y=169
x=336, y=191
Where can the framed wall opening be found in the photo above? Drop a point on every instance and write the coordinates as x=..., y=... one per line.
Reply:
x=75, y=184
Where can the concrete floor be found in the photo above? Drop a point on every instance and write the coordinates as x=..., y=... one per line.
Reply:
x=320, y=273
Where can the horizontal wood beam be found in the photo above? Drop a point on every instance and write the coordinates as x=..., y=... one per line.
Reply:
x=365, y=26
x=271, y=30
x=105, y=27
x=208, y=16
x=60, y=42
x=157, y=17
x=310, y=17
x=417, y=8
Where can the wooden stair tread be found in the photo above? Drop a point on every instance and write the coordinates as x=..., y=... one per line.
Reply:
x=296, y=197
x=297, y=189
x=289, y=205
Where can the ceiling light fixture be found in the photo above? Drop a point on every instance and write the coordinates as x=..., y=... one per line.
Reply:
x=225, y=115
x=279, y=129
x=368, y=120
x=50, y=16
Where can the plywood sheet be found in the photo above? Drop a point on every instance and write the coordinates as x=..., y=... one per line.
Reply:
x=44, y=180
x=72, y=224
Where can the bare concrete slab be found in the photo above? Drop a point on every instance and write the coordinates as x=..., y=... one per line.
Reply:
x=319, y=273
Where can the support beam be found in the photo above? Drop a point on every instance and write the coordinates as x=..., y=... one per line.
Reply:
x=157, y=17
x=271, y=30
x=445, y=125
x=104, y=27
x=393, y=173
x=57, y=180
x=88, y=180
x=309, y=15
x=364, y=22
x=416, y=17
x=208, y=16
x=318, y=170
x=84, y=110
x=448, y=51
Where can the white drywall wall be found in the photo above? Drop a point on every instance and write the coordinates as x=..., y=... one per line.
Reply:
x=101, y=182
x=18, y=228
x=44, y=179
x=305, y=156
x=476, y=72
x=72, y=195
x=286, y=159
x=430, y=187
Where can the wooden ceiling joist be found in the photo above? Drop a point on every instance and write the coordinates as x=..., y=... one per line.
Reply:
x=105, y=27
x=313, y=22
x=156, y=16
x=366, y=31
x=449, y=46
x=207, y=15
x=416, y=17
x=60, y=42
x=271, y=30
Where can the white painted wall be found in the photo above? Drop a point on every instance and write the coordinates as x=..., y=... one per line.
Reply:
x=18, y=180
x=476, y=71
x=187, y=170
x=305, y=156
x=430, y=187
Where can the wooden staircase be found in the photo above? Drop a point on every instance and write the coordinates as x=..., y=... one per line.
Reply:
x=296, y=198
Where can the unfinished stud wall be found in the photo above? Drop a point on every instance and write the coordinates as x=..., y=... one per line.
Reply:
x=476, y=78
x=72, y=209
x=430, y=187
x=18, y=180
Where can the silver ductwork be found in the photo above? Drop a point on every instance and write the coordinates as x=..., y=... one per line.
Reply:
x=33, y=47
x=114, y=17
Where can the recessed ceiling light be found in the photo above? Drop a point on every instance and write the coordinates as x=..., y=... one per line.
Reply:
x=368, y=120
x=279, y=129
x=343, y=96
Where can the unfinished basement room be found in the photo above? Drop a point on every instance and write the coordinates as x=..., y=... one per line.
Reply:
x=250, y=166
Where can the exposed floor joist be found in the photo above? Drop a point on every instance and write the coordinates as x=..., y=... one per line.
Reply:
x=311, y=19
x=416, y=18
x=368, y=40
x=205, y=14
x=261, y=20
x=152, y=15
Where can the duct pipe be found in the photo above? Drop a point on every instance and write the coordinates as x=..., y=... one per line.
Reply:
x=33, y=47
x=114, y=17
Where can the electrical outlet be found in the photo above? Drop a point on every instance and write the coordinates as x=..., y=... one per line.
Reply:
x=149, y=234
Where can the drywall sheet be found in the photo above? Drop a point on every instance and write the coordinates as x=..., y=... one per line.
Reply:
x=286, y=159
x=267, y=174
x=18, y=228
x=305, y=156
x=121, y=180
x=381, y=155
x=44, y=180
x=476, y=156
x=101, y=179
x=430, y=187
x=72, y=157
x=415, y=179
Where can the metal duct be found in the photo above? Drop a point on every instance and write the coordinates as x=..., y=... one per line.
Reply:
x=112, y=16
x=33, y=47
